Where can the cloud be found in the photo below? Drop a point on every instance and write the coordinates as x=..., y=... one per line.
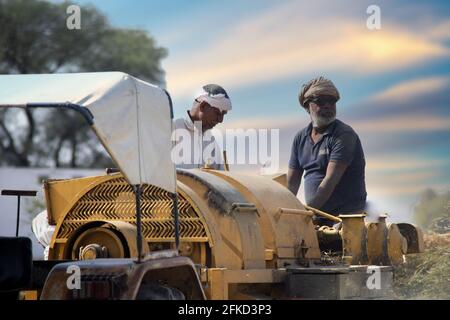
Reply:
x=404, y=178
x=396, y=163
x=440, y=31
x=402, y=124
x=382, y=125
x=409, y=90
x=282, y=122
x=382, y=190
x=286, y=42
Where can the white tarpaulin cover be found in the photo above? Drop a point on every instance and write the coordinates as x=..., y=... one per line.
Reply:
x=132, y=118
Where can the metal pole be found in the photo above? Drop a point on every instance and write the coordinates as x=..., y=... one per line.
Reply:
x=18, y=216
x=324, y=214
x=176, y=220
x=138, y=221
x=225, y=161
x=18, y=194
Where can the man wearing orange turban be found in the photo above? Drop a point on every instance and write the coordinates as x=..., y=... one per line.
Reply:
x=329, y=154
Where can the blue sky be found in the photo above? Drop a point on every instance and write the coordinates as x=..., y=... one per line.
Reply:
x=394, y=82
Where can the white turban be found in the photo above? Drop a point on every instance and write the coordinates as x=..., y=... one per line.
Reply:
x=215, y=96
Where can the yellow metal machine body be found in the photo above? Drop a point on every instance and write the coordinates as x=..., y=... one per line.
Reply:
x=242, y=231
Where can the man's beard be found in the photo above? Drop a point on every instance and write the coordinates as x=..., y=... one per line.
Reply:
x=321, y=121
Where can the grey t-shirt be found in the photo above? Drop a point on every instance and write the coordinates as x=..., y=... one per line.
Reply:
x=339, y=143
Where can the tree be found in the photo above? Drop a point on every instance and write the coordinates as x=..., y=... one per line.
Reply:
x=34, y=39
x=431, y=206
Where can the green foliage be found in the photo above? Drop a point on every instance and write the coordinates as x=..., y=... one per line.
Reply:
x=34, y=38
x=130, y=50
x=431, y=206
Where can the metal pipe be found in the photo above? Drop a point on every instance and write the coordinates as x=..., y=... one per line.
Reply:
x=18, y=193
x=18, y=215
x=323, y=214
x=176, y=220
x=225, y=160
x=138, y=221
x=85, y=112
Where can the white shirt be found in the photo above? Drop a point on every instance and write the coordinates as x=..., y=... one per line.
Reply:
x=198, y=149
x=43, y=231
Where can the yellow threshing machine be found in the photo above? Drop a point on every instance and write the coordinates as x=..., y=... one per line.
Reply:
x=248, y=236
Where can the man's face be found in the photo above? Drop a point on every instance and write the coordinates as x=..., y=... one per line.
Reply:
x=210, y=116
x=322, y=110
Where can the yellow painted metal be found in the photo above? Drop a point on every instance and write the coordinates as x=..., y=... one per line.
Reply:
x=217, y=287
x=61, y=194
x=396, y=244
x=270, y=230
x=230, y=238
x=283, y=211
x=282, y=233
x=252, y=243
x=281, y=178
x=377, y=233
x=385, y=243
x=248, y=240
x=220, y=279
x=28, y=295
x=110, y=198
x=354, y=238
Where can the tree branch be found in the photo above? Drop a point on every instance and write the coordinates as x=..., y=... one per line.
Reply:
x=57, y=152
x=8, y=136
x=73, y=162
x=31, y=130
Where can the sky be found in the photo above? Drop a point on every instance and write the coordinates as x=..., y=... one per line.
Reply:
x=394, y=82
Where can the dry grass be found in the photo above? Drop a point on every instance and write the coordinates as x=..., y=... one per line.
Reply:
x=426, y=275
x=433, y=240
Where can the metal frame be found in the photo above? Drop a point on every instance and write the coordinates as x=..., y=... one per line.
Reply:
x=88, y=116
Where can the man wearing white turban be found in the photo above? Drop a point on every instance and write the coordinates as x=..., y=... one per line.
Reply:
x=329, y=154
x=208, y=109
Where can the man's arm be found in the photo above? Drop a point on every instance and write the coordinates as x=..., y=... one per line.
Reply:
x=334, y=173
x=294, y=178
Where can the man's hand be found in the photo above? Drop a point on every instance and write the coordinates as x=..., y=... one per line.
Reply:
x=335, y=170
x=294, y=178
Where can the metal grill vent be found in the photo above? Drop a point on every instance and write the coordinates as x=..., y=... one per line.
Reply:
x=114, y=200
